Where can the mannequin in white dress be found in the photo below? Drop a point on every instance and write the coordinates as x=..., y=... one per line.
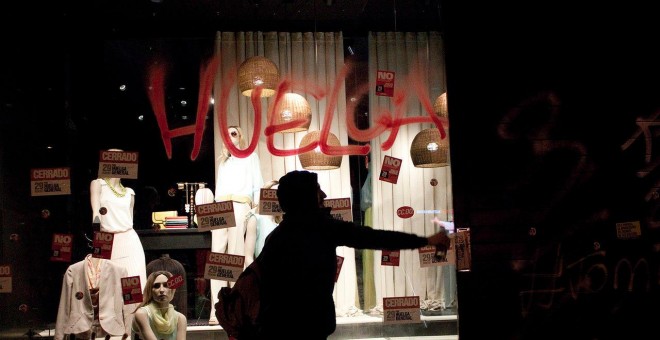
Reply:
x=257, y=228
x=238, y=180
x=112, y=205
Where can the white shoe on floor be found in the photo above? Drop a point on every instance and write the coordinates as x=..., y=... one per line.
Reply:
x=213, y=322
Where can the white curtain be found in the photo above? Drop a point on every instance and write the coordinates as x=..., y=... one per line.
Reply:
x=314, y=57
x=401, y=52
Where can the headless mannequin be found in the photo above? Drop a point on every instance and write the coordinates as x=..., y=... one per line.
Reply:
x=120, y=215
x=112, y=206
x=91, y=301
x=238, y=180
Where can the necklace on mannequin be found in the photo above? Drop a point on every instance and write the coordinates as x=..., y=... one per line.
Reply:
x=93, y=274
x=114, y=191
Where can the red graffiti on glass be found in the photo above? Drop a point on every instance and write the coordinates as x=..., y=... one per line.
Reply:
x=384, y=119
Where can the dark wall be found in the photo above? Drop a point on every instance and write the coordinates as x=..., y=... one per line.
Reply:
x=548, y=155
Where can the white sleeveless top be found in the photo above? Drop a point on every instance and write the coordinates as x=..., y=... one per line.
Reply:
x=119, y=215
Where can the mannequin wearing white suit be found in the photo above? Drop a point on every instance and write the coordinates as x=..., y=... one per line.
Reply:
x=76, y=314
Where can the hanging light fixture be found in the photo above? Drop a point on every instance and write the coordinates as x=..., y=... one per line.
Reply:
x=315, y=159
x=293, y=107
x=440, y=106
x=258, y=71
x=429, y=150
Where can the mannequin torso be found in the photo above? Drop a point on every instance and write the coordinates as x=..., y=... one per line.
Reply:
x=118, y=202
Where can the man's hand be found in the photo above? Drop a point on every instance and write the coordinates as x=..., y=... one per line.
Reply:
x=440, y=240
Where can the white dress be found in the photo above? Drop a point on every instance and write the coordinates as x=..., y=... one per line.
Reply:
x=127, y=249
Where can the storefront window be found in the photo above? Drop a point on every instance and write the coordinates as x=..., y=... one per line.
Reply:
x=179, y=104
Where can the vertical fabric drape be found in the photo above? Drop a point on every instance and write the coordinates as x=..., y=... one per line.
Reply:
x=313, y=57
x=402, y=52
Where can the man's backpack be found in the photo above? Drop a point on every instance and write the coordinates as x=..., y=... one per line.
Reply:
x=238, y=307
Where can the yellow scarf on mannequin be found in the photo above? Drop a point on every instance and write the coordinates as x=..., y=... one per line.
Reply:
x=163, y=321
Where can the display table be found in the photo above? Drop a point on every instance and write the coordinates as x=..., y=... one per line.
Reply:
x=173, y=239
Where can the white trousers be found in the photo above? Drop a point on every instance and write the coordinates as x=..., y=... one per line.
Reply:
x=231, y=241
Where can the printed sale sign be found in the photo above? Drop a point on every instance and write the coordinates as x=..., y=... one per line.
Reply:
x=628, y=230
x=390, y=258
x=61, y=247
x=385, y=83
x=341, y=208
x=429, y=258
x=50, y=181
x=398, y=310
x=118, y=164
x=268, y=203
x=5, y=279
x=215, y=215
x=389, y=171
x=102, y=245
x=463, y=252
x=131, y=289
x=340, y=262
x=221, y=266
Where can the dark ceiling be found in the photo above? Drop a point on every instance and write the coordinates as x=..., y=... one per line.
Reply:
x=199, y=17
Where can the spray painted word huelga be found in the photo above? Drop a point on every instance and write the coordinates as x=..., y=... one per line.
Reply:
x=384, y=119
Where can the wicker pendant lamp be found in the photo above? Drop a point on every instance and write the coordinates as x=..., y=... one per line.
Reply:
x=440, y=106
x=258, y=71
x=315, y=159
x=294, y=106
x=428, y=150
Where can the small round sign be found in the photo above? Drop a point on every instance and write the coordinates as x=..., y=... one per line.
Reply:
x=405, y=212
x=434, y=182
x=175, y=282
x=103, y=211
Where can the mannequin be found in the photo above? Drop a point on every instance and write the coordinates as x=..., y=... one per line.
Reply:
x=238, y=180
x=168, y=264
x=257, y=228
x=446, y=277
x=156, y=318
x=91, y=301
x=112, y=206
